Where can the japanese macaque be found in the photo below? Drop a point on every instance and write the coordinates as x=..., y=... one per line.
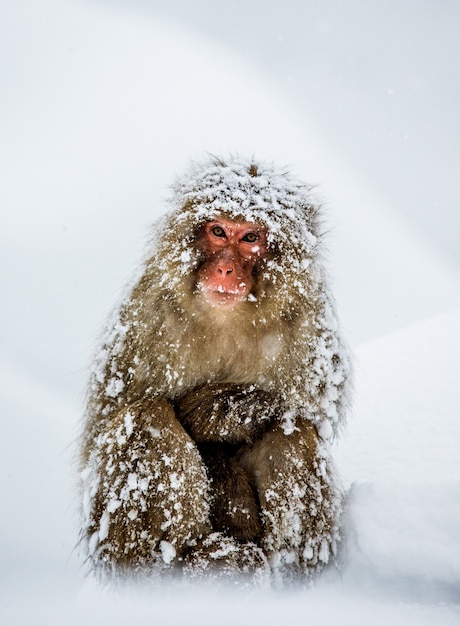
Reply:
x=220, y=383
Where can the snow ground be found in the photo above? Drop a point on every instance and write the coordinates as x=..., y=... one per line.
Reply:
x=87, y=139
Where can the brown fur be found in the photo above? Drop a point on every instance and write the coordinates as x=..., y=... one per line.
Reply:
x=203, y=421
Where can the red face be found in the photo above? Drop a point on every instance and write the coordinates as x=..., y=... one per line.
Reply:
x=231, y=250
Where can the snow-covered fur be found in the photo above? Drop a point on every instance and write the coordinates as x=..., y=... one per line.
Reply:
x=146, y=487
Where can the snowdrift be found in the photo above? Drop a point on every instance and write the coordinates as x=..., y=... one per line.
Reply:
x=400, y=460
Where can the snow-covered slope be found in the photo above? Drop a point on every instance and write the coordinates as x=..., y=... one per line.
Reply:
x=406, y=422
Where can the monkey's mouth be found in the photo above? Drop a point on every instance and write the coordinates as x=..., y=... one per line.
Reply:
x=224, y=295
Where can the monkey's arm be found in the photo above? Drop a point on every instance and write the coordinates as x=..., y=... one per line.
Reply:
x=226, y=412
x=145, y=486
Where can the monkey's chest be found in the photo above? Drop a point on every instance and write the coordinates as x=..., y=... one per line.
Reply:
x=240, y=362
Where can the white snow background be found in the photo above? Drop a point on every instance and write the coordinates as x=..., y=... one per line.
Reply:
x=101, y=104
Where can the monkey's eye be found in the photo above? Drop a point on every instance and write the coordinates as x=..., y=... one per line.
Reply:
x=218, y=231
x=251, y=237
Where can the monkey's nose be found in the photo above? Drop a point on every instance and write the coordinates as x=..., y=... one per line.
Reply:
x=224, y=270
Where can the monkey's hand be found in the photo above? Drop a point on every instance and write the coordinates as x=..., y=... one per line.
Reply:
x=226, y=412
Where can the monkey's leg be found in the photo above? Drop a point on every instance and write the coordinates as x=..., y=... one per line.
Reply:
x=145, y=490
x=300, y=498
x=234, y=504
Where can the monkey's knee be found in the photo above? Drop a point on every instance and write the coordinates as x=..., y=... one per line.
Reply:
x=146, y=490
x=300, y=499
x=277, y=453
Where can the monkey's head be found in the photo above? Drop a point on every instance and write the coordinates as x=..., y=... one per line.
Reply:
x=239, y=232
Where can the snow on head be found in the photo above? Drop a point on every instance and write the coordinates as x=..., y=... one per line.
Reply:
x=245, y=191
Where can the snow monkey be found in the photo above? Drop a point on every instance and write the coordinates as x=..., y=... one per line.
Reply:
x=220, y=382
